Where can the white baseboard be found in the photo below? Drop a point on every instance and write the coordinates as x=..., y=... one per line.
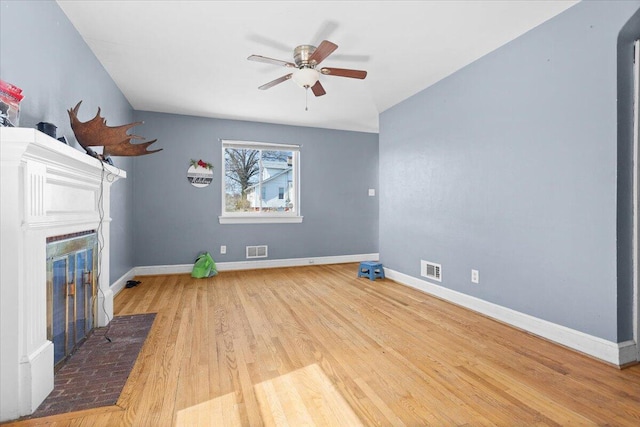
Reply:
x=618, y=354
x=253, y=265
x=119, y=284
x=628, y=353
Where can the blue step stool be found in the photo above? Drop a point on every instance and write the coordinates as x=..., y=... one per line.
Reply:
x=371, y=269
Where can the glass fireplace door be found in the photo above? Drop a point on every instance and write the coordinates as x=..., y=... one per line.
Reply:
x=71, y=291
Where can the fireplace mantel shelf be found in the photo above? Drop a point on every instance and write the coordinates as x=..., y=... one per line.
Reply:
x=17, y=141
x=48, y=189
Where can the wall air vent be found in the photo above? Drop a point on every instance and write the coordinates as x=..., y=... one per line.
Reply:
x=257, y=251
x=431, y=270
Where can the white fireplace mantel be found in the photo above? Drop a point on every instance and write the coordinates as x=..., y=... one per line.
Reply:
x=47, y=188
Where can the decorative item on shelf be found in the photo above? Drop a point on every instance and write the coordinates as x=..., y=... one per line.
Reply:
x=115, y=139
x=48, y=128
x=10, y=97
x=200, y=173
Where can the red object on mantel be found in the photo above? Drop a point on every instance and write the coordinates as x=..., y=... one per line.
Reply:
x=10, y=97
x=11, y=90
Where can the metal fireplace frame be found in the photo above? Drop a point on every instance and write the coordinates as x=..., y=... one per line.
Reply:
x=78, y=290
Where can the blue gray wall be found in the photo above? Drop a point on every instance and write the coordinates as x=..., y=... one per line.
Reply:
x=174, y=220
x=510, y=167
x=42, y=53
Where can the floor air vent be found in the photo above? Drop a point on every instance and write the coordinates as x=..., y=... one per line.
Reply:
x=257, y=251
x=431, y=270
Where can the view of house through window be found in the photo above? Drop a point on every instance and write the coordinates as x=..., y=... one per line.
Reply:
x=260, y=179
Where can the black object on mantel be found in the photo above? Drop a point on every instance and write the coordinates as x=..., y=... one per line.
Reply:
x=48, y=128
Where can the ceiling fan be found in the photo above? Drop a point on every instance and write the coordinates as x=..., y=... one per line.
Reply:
x=306, y=59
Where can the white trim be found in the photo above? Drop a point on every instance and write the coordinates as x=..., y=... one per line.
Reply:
x=158, y=270
x=153, y=270
x=294, y=262
x=636, y=197
x=627, y=351
x=257, y=145
x=246, y=219
x=618, y=354
x=119, y=284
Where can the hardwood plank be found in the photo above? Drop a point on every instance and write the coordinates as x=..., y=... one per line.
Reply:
x=66, y=419
x=219, y=411
x=317, y=345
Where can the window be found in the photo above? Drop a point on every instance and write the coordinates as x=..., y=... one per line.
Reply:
x=260, y=183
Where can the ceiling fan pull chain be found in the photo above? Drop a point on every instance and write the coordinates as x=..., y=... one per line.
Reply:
x=306, y=98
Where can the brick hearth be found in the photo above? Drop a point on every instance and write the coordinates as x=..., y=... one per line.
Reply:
x=96, y=373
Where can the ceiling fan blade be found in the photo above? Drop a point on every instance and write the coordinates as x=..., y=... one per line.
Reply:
x=325, y=49
x=317, y=89
x=344, y=72
x=275, y=82
x=264, y=59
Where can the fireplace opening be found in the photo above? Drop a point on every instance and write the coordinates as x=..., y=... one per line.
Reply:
x=71, y=291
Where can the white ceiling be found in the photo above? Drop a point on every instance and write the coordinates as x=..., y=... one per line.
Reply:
x=190, y=57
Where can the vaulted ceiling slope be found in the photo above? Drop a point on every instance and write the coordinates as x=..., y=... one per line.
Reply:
x=190, y=57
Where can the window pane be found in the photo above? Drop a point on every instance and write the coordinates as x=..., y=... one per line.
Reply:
x=259, y=181
x=277, y=173
x=242, y=175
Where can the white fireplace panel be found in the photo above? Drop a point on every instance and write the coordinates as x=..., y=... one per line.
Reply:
x=61, y=198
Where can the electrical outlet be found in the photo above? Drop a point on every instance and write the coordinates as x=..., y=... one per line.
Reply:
x=475, y=276
x=372, y=192
x=223, y=249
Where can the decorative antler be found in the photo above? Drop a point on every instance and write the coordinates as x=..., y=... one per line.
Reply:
x=115, y=139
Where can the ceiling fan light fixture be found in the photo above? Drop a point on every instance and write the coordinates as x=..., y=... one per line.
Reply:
x=306, y=77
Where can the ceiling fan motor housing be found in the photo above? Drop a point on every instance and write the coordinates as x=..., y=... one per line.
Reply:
x=301, y=55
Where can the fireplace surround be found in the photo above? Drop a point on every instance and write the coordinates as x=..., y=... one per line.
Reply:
x=48, y=189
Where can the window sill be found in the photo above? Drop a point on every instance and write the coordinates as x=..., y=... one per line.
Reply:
x=260, y=219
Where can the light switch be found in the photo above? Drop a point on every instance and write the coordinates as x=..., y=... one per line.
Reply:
x=372, y=192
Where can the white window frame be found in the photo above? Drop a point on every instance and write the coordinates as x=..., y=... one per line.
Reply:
x=636, y=196
x=262, y=217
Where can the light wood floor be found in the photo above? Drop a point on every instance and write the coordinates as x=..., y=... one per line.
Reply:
x=318, y=346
